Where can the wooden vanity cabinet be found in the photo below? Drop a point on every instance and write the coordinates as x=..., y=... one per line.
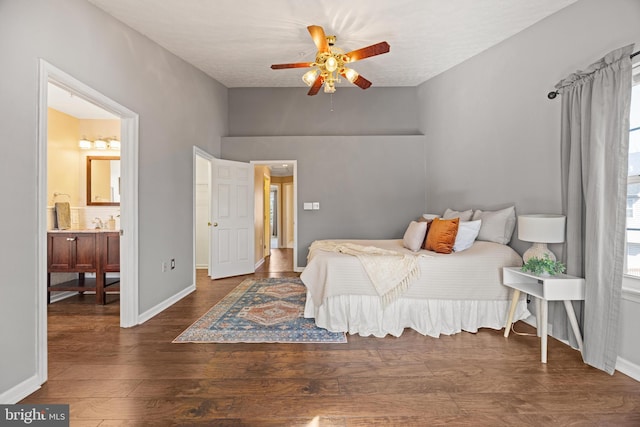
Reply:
x=109, y=250
x=84, y=252
x=72, y=252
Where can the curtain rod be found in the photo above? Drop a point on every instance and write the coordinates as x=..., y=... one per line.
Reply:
x=554, y=93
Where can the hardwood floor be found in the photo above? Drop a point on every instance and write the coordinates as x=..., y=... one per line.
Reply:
x=136, y=377
x=280, y=260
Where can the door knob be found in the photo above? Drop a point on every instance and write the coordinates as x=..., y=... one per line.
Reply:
x=215, y=224
x=209, y=224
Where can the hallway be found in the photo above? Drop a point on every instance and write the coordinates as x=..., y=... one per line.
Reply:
x=280, y=261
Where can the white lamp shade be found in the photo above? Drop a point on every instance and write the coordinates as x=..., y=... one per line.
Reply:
x=541, y=228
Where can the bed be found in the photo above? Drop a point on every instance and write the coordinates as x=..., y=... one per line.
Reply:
x=460, y=291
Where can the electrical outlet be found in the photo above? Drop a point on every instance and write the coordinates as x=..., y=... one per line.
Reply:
x=173, y=263
x=165, y=266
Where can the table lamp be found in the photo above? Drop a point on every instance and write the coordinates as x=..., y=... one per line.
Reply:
x=540, y=229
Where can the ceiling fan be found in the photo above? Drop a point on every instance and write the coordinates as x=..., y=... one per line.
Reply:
x=331, y=63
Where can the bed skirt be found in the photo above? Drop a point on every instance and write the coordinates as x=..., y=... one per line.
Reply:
x=363, y=315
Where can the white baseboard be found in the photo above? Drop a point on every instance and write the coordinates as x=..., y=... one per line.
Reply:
x=20, y=391
x=59, y=296
x=298, y=269
x=628, y=368
x=202, y=266
x=259, y=263
x=165, y=304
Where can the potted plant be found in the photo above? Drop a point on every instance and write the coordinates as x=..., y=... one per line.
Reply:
x=543, y=266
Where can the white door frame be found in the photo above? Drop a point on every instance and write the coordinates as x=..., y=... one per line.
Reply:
x=295, y=203
x=129, y=202
x=199, y=152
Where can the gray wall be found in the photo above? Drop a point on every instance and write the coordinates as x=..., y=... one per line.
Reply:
x=494, y=137
x=369, y=187
x=366, y=169
x=178, y=105
x=290, y=111
x=494, y=107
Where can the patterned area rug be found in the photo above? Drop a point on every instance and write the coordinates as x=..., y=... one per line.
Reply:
x=268, y=310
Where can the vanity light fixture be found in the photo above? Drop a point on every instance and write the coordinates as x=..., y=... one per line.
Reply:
x=84, y=144
x=100, y=144
x=114, y=144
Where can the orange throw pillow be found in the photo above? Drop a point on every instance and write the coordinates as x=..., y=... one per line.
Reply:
x=442, y=235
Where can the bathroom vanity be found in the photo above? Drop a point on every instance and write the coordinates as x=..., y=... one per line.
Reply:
x=84, y=251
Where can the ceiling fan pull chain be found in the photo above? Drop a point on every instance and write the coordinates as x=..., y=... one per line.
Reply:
x=331, y=95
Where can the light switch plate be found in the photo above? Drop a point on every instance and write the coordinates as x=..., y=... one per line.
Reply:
x=316, y=206
x=307, y=206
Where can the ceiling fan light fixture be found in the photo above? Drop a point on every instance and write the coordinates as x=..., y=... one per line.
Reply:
x=331, y=64
x=310, y=76
x=329, y=88
x=351, y=74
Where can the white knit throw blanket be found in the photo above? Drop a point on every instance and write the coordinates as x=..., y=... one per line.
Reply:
x=390, y=272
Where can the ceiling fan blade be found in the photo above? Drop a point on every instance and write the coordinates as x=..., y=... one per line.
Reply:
x=366, y=52
x=293, y=65
x=315, y=88
x=319, y=38
x=361, y=82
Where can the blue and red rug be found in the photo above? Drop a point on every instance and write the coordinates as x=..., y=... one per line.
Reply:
x=268, y=310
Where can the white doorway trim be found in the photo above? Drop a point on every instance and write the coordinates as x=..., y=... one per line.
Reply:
x=199, y=152
x=129, y=315
x=295, y=204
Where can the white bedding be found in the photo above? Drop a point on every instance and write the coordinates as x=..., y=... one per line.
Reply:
x=454, y=292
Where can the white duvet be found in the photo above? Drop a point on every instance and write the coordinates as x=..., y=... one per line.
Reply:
x=454, y=292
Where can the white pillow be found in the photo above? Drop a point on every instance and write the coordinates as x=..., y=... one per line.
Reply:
x=467, y=233
x=414, y=236
x=430, y=216
x=497, y=226
x=464, y=216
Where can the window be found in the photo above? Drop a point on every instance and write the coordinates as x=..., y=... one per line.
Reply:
x=633, y=181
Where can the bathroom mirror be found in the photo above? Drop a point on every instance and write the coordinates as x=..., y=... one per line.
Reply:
x=103, y=181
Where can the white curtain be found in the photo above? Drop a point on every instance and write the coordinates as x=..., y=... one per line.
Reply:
x=594, y=162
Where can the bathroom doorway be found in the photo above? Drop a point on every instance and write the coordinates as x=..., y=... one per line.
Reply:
x=128, y=184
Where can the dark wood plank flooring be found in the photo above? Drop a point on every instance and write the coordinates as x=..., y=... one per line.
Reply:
x=280, y=260
x=136, y=377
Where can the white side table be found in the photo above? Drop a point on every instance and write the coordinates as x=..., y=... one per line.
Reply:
x=561, y=287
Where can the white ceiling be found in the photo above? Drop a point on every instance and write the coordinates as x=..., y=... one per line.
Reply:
x=236, y=41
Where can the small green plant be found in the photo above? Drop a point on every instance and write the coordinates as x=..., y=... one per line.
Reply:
x=544, y=265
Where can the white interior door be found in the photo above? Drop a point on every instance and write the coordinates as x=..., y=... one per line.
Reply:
x=232, y=230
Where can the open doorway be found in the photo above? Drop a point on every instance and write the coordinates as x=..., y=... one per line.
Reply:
x=83, y=201
x=276, y=215
x=128, y=186
x=202, y=210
